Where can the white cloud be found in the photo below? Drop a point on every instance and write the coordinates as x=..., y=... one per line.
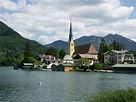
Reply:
x=8, y=5
x=48, y=20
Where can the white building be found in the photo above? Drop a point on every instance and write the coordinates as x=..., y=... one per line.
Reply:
x=118, y=57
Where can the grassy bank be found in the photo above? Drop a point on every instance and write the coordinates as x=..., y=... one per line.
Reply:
x=118, y=95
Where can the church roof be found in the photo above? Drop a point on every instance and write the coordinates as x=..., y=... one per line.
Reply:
x=83, y=49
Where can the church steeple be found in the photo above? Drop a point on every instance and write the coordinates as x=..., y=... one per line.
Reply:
x=71, y=42
x=70, y=32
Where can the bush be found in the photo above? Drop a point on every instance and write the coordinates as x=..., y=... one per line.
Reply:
x=117, y=95
x=97, y=66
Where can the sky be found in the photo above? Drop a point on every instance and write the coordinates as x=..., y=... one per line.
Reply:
x=48, y=20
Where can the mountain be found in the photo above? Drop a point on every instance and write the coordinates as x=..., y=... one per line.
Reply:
x=13, y=41
x=128, y=43
x=95, y=40
x=59, y=44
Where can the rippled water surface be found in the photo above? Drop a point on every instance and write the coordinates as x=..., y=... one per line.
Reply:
x=22, y=85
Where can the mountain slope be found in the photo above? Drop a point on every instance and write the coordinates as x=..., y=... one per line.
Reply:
x=11, y=40
x=129, y=44
x=95, y=40
x=58, y=44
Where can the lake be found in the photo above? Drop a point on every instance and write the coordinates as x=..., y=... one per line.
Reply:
x=22, y=85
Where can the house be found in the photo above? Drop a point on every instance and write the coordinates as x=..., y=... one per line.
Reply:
x=62, y=67
x=119, y=57
x=57, y=67
x=68, y=63
x=48, y=59
x=87, y=49
x=124, y=68
x=87, y=56
x=28, y=66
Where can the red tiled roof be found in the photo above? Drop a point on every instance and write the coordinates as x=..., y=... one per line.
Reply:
x=83, y=49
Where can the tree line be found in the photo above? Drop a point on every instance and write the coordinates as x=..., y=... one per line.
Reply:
x=10, y=57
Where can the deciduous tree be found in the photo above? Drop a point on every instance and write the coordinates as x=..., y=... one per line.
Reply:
x=62, y=53
x=51, y=51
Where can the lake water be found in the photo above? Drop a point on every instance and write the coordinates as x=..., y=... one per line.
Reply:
x=22, y=85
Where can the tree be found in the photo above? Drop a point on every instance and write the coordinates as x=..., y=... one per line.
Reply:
x=62, y=53
x=102, y=49
x=116, y=45
x=27, y=52
x=51, y=51
x=83, y=63
x=20, y=59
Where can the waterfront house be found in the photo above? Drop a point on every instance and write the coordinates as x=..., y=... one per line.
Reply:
x=62, y=67
x=119, y=57
x=87, y=56
x=68, y=63
x=57, y=67
x=124, y=68
x=28, y=66
x=48, y=59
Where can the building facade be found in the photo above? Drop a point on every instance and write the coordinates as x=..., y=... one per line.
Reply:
x=48, y=59
x=119, y=57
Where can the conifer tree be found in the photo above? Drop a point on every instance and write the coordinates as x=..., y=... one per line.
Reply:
x=27, y=52
x=102, y=49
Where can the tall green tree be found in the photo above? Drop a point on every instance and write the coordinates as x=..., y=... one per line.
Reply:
x=116, y=45
x=62, y=53
x=19, y=59
x=102, y=49
x=27, y=52
x=52, y=51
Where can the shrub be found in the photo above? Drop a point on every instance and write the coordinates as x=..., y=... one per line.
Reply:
x=97, y=66
x=117, y=95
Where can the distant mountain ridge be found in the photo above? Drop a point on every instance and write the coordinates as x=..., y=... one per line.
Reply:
x=12, y=40
x=95, y=40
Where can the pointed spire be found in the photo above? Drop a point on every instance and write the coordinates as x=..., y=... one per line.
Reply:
x=70, y=32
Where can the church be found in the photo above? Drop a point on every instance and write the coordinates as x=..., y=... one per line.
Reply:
x=82, y=51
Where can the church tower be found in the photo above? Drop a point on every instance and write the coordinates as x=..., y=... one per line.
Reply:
x=71, y=46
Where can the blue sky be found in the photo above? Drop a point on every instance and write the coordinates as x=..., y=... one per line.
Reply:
x=130, y=3
x=48, y=20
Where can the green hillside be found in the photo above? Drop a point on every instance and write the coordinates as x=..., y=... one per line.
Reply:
x=13, y=42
